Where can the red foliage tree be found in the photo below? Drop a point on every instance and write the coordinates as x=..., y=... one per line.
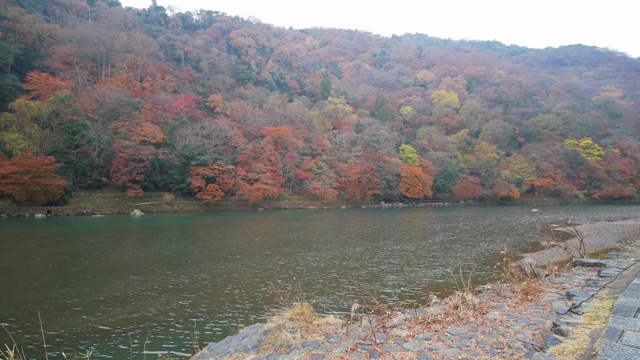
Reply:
x=608, y=179
x=135, y=141
x=255, y=191
x=360, y=181
x=467, y=188
x=167, y=109
x=541, y=186
x=260, y=172
x=318, y=179
x=31, y=179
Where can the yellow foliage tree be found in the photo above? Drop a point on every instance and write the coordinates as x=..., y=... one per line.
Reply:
x=445, y=103
x=408, y=155
x=587, y=148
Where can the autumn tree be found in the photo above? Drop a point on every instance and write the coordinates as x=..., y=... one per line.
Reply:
x=415, y=183
x=587, y=148
x=406, y=112
x=360, y=181
x=468, y=188
x=42, y=86
x=31, y=125
x=408, y=155
x=135, y=142
x=503, y=190
x=215, y=103
x=540, y=186
x=445, y=103
x=611, y=178
x=286, y=160
x=417, y=174
x=318, y=179
x=484, y=162
x=30, y=179
x=212, y=182
x=260, y=169
x=337, y=114
x=611, y=103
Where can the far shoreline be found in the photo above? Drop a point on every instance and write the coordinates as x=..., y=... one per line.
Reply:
x=91, y=203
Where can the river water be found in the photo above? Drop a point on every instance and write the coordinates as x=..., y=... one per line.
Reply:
x=121, y=284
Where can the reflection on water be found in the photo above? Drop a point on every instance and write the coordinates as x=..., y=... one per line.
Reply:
x=149, y=281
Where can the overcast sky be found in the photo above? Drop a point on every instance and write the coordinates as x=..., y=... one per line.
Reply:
x=532, y=23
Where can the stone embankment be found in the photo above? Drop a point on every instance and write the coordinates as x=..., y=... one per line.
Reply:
x=505, y=320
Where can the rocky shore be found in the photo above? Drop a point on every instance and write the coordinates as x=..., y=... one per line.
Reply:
x=512, y=319
x=10, y=210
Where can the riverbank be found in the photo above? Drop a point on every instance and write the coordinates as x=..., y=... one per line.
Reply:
x=106, y=202
x=514, y=318
x=103, y=202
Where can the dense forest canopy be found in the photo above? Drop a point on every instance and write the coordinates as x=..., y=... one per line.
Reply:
x=96, y=95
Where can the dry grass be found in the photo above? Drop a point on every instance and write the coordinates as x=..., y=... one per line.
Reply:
x=529, y=290
x=463, y=304
x=296, y=323
x=13, y=352
x=595, y=318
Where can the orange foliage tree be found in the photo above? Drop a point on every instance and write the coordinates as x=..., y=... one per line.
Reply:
x=31, y=179
x=415, y=183
x=212, y=182
x=42, y=86
x=216, y=103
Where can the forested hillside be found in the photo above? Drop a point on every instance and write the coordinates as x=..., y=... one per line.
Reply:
x=95, y=95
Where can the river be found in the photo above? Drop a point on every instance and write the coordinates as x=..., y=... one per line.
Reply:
x=119, y=283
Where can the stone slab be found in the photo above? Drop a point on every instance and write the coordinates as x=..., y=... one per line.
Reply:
x=612, y=334
x=631, y=338
x=609, y=272
x=589, y=262
x=612, y=351
x=413, y=346
x=624, y=310
x=425, y=337
x=633, y=294
x=625, y=323
x=628, y=302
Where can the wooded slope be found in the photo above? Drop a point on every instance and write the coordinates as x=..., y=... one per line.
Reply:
x=221, y=106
